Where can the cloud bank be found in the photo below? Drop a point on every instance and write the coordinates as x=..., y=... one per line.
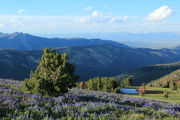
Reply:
x=99, y=17
x=96, y=21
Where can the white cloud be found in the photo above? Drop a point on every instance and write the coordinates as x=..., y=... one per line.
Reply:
x=38, y=24
x=97, y=14
x=99, y=17
x=125, y=18
x=21, y=11
x=160, y=13
x=117, y=19
x=88, y=8
x=2, y=25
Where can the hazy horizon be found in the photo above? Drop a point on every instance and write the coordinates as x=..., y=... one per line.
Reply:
x=156, y=40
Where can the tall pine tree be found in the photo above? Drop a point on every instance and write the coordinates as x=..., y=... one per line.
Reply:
x=53, y=76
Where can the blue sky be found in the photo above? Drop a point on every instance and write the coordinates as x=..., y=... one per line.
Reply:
x=89, y=16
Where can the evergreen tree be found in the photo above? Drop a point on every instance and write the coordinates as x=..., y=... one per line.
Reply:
x=102, y=84
x=53, y=76
x=126, y=82
x=173, y=85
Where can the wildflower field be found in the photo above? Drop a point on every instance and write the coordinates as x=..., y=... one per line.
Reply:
x=80, y=105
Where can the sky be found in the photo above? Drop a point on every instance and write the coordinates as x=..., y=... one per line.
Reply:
x=89, y=16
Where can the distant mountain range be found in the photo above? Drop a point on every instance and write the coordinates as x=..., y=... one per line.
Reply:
x=151, y=74
x=24, y=41
x=94, y=60
x=142, y=40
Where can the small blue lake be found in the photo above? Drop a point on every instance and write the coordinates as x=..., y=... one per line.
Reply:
x=129, y=91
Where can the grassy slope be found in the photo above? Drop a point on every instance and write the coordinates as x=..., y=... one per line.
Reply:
x=175, y=76
x=157, y=94
x=149, y=73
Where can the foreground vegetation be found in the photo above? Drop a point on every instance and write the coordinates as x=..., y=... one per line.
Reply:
x=53, y=76
x=101, y=84
x=79, y=105
x=49, y=94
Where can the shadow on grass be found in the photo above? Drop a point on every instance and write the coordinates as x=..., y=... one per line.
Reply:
x=153, y=92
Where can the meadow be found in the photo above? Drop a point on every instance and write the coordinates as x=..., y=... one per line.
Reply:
x=155, y=93
x=80, y=104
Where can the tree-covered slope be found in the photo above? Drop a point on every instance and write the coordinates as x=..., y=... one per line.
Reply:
x=17, y=64
x=90, y=61
x=147, y=74
x=166, y=80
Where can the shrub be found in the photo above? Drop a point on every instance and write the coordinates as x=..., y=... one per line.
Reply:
x=82, y=85
x=166, y=94
x=117, y=90
x=173, y=85
x=53, y=76
x=142, y=90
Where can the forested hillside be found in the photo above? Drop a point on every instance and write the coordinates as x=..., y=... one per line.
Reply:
x=147, y=74
x=166, y=81
x=90, y=61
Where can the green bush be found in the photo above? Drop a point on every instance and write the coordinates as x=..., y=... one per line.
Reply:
x=166, y=94
x=117, y=90
x=101, y=84
x=173, y=85
x=53, y=76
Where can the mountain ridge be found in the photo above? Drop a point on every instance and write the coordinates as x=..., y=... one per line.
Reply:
x=156, y=40
x=147, y=74
x=90, y=61
x=25, y=41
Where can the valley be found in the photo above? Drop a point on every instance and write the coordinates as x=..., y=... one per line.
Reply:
x=90, y=61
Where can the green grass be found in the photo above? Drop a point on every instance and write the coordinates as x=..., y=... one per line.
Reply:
x=157, y=94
